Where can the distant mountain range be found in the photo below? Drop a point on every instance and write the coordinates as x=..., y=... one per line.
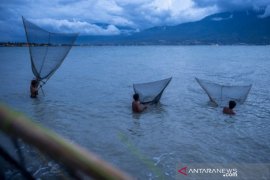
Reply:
x=241, y=27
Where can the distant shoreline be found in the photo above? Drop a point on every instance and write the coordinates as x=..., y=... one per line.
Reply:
x=22, y=44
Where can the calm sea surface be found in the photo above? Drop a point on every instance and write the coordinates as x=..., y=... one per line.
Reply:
x=88, y=100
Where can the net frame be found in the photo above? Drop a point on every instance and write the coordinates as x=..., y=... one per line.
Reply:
x=151, y=97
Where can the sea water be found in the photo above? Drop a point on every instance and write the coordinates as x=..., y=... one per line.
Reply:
x=88, y=101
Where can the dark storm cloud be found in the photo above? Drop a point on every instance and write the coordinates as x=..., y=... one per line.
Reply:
x=85, y=16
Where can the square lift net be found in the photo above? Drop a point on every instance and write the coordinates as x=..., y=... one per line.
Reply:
x=222, y=94
x=151, y=92
x=47, y=50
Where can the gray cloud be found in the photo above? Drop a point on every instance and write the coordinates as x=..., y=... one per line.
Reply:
x=84, y=15
x=229, y=5
x=266, y=13
x=83, y=27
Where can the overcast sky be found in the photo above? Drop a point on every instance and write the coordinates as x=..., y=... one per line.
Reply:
x=108, y=17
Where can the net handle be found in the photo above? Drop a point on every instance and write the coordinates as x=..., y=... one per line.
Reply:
x=16, y=125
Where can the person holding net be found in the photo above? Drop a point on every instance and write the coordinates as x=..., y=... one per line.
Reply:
x=137, y=107
x=47, y=52
x=34, y=88
x=229, y=110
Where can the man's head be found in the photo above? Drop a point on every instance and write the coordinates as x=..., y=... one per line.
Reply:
x=136, y=97
x=232, y=104
x=34, y=82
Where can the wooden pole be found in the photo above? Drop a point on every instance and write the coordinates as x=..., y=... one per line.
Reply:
x=16, y=125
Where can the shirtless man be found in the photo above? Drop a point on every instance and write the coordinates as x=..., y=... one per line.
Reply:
x=229, y=110
x=34, y=89
x=137, y=107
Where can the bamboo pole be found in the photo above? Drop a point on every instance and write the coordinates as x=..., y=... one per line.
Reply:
x=48, y=142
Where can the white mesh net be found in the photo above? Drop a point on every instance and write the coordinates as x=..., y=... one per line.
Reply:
x=151, y=92
x=221, y=94
x=47, y=50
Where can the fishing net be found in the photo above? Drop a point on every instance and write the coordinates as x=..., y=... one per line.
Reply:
x=151, y=92
x=47, y=50
x=221, y=94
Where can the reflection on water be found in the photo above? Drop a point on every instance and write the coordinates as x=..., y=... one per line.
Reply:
x=136, y=130
x=88, y=100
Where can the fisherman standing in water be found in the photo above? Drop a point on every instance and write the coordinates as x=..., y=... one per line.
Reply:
x=34, y=88
x=229, y=110
x=137, y=107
